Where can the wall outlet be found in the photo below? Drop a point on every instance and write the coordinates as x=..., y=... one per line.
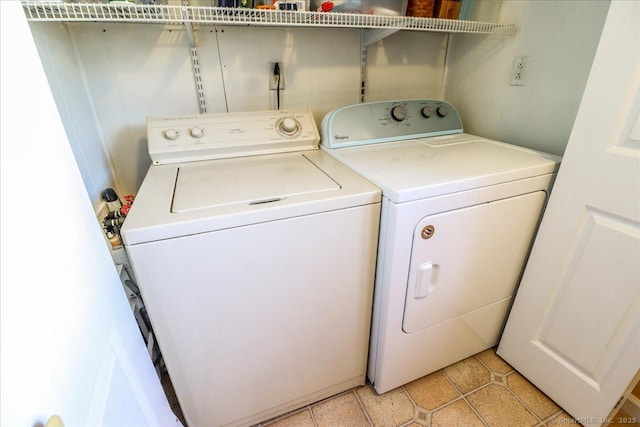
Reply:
x=520, y=68
x=273, y=78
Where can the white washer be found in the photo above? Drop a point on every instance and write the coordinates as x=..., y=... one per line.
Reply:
x=257, y=271
x=458, y=216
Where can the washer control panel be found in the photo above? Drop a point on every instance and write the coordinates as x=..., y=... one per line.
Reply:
x=223, y=135
x=377, y=122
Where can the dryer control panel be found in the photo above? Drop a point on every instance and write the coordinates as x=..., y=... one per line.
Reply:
x=222, y=135
x=387, y=121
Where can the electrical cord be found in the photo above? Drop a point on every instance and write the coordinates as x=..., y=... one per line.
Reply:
x=276, y=75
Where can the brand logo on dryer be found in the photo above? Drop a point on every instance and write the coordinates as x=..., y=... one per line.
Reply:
x=340, y=137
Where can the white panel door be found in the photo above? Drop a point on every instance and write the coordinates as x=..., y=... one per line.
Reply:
x=574, y=329
x=70, y=344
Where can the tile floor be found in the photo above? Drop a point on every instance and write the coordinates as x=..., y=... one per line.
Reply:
x=482, y=390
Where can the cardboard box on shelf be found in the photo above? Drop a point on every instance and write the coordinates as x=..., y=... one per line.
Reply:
x=421, y=8
x=447, y=9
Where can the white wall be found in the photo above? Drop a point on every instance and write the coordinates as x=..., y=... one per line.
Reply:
x=108, y=77
x=66, y=80
x=125, y=72
x=560, y=38
x=406, y=65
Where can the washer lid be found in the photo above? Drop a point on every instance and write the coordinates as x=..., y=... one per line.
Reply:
x=427, y=167
x=183, y=199
x=249, y=181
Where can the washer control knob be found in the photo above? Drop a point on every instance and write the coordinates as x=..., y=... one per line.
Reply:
x=399, y=113
x=288, y=126
x=427, y=112
x=171, y=134
x=196, y=132
x=442, y=110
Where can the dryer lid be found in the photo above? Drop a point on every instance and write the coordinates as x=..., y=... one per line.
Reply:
x=247, y=181
x=428, y=167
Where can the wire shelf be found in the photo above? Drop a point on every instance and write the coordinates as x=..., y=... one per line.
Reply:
x=200, y=15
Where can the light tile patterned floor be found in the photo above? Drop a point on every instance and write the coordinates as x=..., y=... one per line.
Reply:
x=482, y=390
x=478, y=391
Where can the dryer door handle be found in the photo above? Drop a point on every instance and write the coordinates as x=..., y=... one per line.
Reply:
x=426, y=279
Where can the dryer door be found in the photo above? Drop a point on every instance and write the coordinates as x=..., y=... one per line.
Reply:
x=469, y=258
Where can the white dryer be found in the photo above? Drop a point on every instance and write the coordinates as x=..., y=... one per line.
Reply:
x=458, y=216
x=255, y=255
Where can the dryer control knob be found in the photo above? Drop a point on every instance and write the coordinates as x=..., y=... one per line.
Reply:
x=442, y=111
x=197, y=132
x=427, y=112
x=171, y=134
x=399, y=113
